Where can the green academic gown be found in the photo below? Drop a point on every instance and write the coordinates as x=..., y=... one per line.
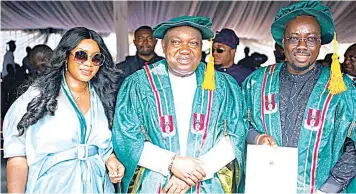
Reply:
x=145, y=112
x=328, y=120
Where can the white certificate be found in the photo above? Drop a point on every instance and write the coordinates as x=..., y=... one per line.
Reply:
x=271, y=170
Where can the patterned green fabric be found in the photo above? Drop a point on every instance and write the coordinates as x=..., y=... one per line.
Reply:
x=321, y=140
x=318, y=10
x=203, y=24
x=136, y=120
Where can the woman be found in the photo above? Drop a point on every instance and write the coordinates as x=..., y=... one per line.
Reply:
x=58, y=132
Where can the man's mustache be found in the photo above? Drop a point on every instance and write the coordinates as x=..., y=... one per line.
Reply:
x=302, y=52
x=145, y=46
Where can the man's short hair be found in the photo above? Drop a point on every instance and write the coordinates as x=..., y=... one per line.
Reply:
x=143, y=28
x=352, y=47
x=28, y=49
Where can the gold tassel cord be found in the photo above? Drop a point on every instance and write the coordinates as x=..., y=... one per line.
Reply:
x=209, y=79
x=336, y=84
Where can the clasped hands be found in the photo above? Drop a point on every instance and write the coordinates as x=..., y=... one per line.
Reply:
x=187, y=172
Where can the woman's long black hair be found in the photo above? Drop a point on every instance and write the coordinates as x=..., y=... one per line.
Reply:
x=106, y=82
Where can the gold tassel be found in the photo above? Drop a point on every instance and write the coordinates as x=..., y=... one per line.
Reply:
x=209, y=79
x=336, y=84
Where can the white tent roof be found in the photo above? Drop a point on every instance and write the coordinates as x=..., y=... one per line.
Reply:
x=249, y=19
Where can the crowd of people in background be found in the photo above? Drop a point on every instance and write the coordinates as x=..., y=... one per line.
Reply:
x=14, y=76
x=37, y=58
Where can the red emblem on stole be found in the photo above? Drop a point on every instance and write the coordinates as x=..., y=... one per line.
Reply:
x=166, y=123
x=198, y=123
x=313, y=119
x=270, y=104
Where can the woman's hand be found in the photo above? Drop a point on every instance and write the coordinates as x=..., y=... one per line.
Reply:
x=116, y=169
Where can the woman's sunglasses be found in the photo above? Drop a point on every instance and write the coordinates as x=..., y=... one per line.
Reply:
x=219, y=50
x=81, y=56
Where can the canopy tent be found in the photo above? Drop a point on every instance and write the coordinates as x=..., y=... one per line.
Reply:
x=251, y=20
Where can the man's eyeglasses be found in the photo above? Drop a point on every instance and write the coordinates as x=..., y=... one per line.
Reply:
x=311, y=41
x=219, y=50
x=81, y=56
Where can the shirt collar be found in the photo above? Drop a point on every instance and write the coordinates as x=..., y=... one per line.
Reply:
x=152, y=60
x=350, y=76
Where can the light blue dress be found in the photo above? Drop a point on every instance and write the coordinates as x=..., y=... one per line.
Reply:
x=66, y=153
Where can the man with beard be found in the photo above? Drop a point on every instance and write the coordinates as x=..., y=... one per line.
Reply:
x=224, y=49
x=178, y=124
x=145, y=44
x=301, y=104
x=349, y=65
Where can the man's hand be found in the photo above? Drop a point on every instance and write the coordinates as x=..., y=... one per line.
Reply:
x=188, y=169
x=264, y=139
x=116, y=169
x=176, y=185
